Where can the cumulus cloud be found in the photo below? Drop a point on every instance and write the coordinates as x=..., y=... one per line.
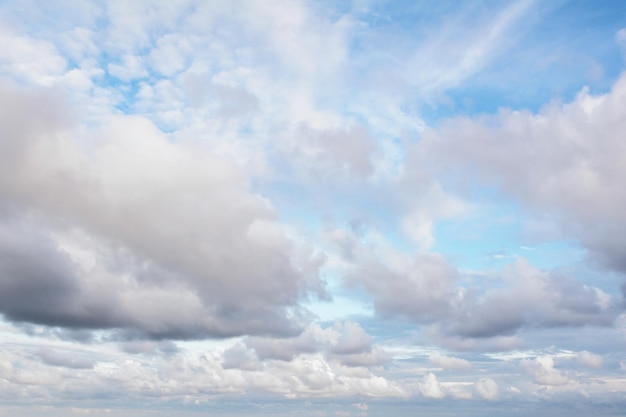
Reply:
x=123, y=228
x=429, y=387
x=565, y=161
x=420, y=288
x=532, y=298
x=589, y=360
x=427, y=289
x=487, y=388
x=31, y=60
x=34, y=373
x=543, y=371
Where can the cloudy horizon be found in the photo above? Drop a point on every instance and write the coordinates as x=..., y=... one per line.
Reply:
x=360, y=208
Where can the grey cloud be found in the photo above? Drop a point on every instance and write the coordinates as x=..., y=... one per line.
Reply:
x=312, y=339
x=240, y=357
x=425, y=289
x=353, y=339
x=149, y=347
x=345, y=342
x=420, y=289
x=374, y=356
x=66, y=359
x=122, y=229
x=532, y=298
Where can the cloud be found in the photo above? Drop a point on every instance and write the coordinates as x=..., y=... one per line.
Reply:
x=565, y=162
x=543, y=371
x=331, y=152
x=589, y=360
x=429, y=387
x=240, y=357
x=33, y=373
x=345, y=342
x=420, y=288
x=459, y=50
x=426, y=289
x=149, y=347
x=532, y=298
x=487, y=388
x=352, y=339
x=152, y=237
x=30, y=60
x=449, y=362
x=66, y=359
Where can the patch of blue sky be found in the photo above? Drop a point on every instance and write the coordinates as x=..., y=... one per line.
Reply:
x=543, y=64
x=404, y=15
x=405, y=336
x=128, y=92
x=493, y=234
x=339, y=309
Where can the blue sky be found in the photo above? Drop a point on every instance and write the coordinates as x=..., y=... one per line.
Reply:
x=356, y=208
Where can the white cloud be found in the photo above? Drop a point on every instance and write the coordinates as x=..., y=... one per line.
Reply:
x=589, y=360
x=487, y=388
x=429, y=387
x=531, y=298
x=577, y=157
x=449, y=362
x=543, y=371
x=31, y=60
x=345, y=342
x=128, y=69
x=453, y=55
x=420, y=287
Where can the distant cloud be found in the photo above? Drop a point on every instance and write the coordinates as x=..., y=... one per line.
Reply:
x=345, y=342
x=449, y=362
x=427, y=290
x=487, y=388
x=430, y=388
x=543, y=371
x=589, y=360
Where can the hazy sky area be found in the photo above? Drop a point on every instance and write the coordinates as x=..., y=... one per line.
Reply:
x=352, y=208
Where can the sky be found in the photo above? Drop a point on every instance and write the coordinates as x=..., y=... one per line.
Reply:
x=353, y=208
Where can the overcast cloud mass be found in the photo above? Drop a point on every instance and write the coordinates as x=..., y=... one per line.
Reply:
x=276, y=208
